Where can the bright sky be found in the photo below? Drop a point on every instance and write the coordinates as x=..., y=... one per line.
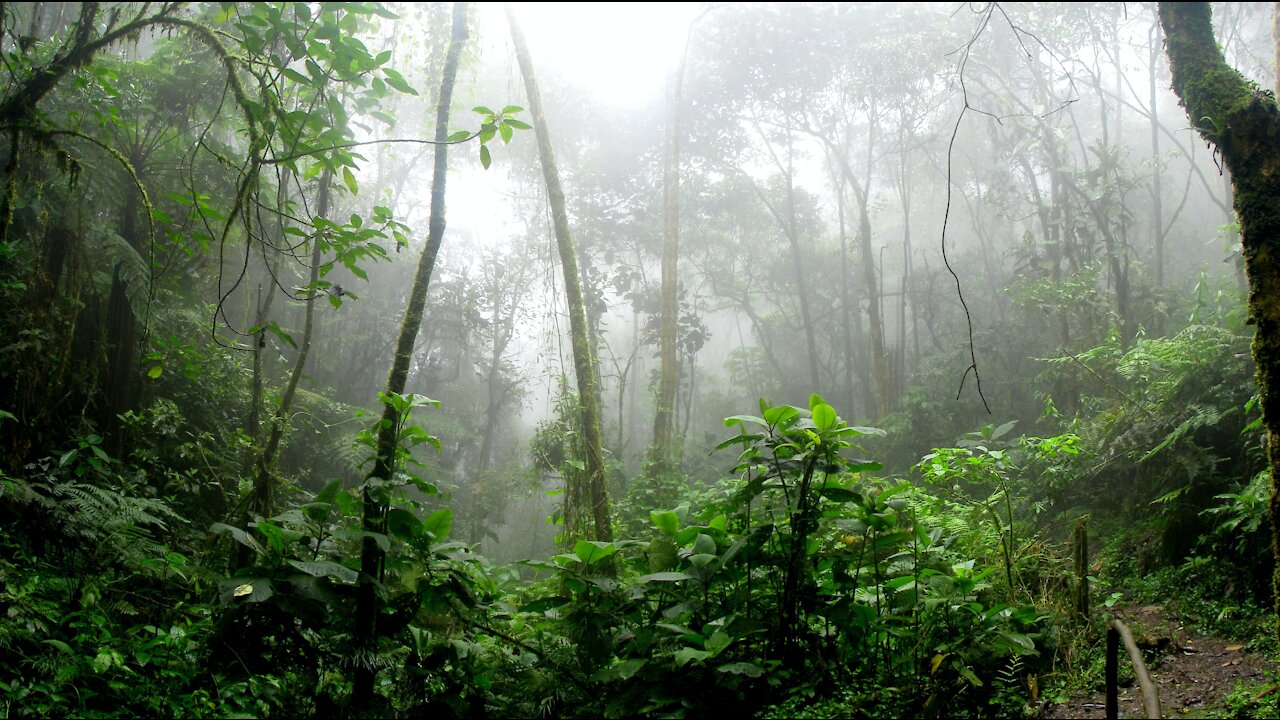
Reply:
x=621, y=52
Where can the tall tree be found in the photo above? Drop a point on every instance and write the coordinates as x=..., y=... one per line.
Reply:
x=583, y=355
x=261, y=500
x=375, y=511
x=668, y=376
x=1243, y=122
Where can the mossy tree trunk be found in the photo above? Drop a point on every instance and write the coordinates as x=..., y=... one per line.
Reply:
x=1243, y=122
x=663, y=421
x=583, y=361
x=375, y=511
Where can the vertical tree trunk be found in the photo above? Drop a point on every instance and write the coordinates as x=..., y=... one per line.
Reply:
x=875, y=317
x=121, y=345
x=583, y=361
x=122, y=337
x=802, y=280
x=1157, y=210
x=846, y=303
x=1244, y=124
x=374, y=520
x=904, y=192
x=663, y=453
x=261, y=500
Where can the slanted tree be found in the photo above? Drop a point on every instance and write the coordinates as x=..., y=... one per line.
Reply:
x=1242, y=121
x=583, y=355
x=374, y=510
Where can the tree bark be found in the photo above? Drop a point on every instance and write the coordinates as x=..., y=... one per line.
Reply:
x=847, y=311
x=261, y=500
x=122, y=339
x=875, y=318
x=802, y=279
x=663, y=453
x=790, y=229
x=583, y=360
x=1157, y=210
x=1243, y=122
x=374, y=520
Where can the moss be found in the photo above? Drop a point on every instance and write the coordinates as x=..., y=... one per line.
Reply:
x=1244, y=123
x=1211, y=90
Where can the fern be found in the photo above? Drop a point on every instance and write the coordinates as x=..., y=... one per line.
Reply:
x=134, y=270
x=105, y=515
x=1010, y=673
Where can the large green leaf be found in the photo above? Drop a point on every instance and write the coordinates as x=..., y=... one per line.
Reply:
x=544, y=604
x=326, y=568
x=593, y=551
x=704, y=545
x=318, y=511
x=439, y=523
x=663, y=577
x=397, y=81
x=403, y=524
x=668, y=521
x=824, y=417
x=742, y=668
x=684, y=656
x=245, y=589
x=238, y=535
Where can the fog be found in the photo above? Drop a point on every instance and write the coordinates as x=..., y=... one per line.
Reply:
x=655, y=359
x=1039, y=119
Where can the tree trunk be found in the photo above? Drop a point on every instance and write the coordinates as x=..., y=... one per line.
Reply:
x=663, y=453
x=122, y=338
x=374, y=521
x=846, y=305
x=875, y=318
x=583, y=361
x=904, y=193
x=1244, y=124
x=1157, y=211
x=261, y=500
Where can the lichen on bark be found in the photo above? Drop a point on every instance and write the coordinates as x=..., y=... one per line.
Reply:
x=1242, y=122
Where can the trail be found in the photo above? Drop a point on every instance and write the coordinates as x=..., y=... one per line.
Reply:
x=1193, y=673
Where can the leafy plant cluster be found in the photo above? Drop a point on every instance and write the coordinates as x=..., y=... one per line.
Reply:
x=796, y=580
x=806, y=574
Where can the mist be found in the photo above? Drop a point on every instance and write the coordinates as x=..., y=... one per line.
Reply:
x=856, y=359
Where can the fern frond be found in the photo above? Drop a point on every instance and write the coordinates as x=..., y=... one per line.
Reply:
x=135, y=271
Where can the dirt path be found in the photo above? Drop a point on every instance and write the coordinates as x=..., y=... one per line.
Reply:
x=1194, y=674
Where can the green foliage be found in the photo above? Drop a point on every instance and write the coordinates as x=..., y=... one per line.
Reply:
x=86, y=575
x=1167, y=450
x=806, y=572
x=557, y=449
x=502, y=123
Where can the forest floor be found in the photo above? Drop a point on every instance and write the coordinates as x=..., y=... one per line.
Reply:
x=1197, y=676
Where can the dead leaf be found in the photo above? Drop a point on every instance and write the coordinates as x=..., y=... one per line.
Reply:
x=1235, y=648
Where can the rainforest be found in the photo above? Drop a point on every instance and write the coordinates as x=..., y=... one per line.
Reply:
x=539, y=360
